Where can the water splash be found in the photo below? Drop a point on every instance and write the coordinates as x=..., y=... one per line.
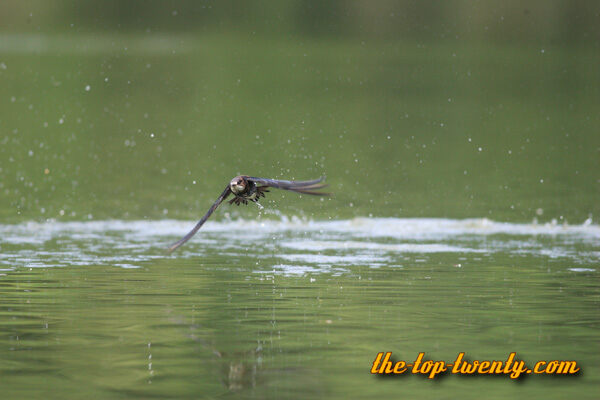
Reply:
x=301, y=245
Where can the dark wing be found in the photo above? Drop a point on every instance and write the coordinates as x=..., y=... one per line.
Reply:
x=212, y=209
x=306, y=187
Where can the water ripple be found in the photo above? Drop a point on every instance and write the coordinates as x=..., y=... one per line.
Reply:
x=306, y=246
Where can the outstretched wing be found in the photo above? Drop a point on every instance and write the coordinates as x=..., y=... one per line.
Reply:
x=306, y=187
x=212, y=209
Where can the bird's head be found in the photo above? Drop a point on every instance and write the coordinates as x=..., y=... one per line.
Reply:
x=238, y=184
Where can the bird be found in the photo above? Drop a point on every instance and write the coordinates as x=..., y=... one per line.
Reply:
x=250, y=189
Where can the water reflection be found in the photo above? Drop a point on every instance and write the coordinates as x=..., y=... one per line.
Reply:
x=280, y=312
x=282, y=246
x=238, y=371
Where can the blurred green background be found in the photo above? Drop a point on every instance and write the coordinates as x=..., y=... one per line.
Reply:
x=145, y=109
x=129, y=110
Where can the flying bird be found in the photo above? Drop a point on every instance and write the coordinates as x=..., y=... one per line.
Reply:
x=247, y=188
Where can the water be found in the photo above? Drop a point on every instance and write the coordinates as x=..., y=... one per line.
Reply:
x=295, y=246
x=464, y=217
x=292, y=307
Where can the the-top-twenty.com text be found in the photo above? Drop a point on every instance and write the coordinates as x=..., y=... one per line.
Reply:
x=384, y=365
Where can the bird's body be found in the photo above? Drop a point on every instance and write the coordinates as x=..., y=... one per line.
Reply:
x=246, y=188
x=244, y=192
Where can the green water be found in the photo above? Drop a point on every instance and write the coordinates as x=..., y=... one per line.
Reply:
x=408, y=129
x=111, y=147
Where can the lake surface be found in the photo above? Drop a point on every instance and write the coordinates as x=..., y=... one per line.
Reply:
x=464, y=216
x=291, y=308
